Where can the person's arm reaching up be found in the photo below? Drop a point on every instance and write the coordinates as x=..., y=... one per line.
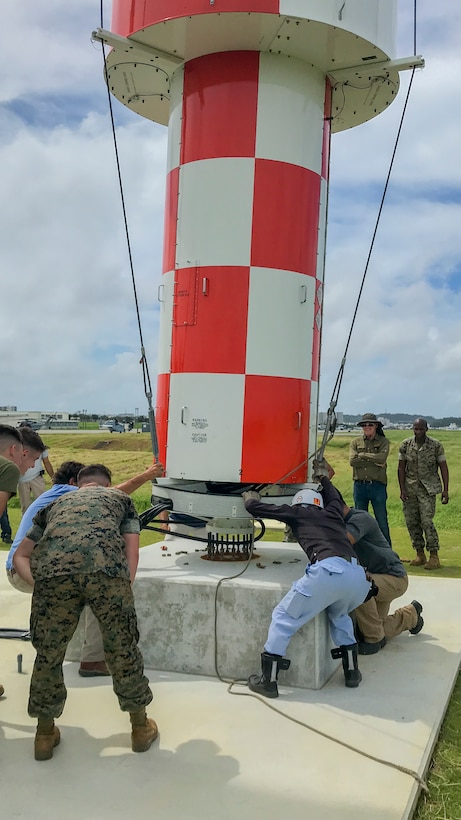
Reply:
x=128, y=487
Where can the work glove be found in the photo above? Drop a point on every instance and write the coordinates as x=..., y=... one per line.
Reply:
x=320, y=469
x=250, y=495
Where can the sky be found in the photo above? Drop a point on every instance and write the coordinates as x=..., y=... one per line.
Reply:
x=68, y=331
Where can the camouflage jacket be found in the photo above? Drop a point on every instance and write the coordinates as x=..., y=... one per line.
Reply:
x=82, y=532
x=422, y=464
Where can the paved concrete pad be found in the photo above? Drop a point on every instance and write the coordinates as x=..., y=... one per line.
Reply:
x=222, y=757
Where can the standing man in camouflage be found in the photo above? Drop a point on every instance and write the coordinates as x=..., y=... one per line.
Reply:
x=83, y=550
x=421, y=459
x=92, y=663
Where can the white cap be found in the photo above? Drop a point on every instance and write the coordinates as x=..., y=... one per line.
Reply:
x=307, y=497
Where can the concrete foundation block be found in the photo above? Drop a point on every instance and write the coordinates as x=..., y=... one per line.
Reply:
x=181, y=606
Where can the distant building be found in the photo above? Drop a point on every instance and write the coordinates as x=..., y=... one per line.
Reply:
x=41, y=419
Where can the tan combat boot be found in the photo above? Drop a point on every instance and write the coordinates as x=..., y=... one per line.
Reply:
x=46, y=738
x=433, y=562
x=420, y=559
x=144, y=731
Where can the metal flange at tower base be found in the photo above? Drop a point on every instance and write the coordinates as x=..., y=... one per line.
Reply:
x=235, y=546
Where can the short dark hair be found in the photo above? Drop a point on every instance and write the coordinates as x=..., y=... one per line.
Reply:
x=9, y=435
x=67, y=471
x=422, y=421
x=32, y=440
x=94, y=471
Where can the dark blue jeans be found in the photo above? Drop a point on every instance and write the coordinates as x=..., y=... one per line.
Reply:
x=374, y=493
x=5, y=525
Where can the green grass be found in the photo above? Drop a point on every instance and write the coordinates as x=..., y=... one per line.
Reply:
x=125, y=455
x=448, y=517
x=131, y=453
x=443, y=802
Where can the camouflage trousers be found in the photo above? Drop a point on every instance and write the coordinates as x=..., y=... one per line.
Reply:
x=419, y=510
x=57, y=604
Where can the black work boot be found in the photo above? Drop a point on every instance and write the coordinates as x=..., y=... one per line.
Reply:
x=420, y=622
x=266, y=683
x=371, y=647
x=352, y=677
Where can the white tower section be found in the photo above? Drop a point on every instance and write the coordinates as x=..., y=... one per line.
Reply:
x=250, y=91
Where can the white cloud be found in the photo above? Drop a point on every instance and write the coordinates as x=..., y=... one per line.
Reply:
x=47, y=47
x=68, y=325
x=404, y=352
x=67, y=283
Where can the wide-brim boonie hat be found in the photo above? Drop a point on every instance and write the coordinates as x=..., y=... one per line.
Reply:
x=368, y=418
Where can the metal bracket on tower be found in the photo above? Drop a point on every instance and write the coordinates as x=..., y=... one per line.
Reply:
x=377, y=68
x=128, y=44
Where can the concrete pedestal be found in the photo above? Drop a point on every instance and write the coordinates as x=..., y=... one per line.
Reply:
x=180, y=610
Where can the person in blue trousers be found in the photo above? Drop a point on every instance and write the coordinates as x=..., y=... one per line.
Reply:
x=333, y=581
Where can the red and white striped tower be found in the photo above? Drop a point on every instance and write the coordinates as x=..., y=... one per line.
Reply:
x=243, y=268
x=250, y=90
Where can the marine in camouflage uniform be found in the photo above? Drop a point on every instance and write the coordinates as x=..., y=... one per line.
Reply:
x=80, y=559
x=421, y=462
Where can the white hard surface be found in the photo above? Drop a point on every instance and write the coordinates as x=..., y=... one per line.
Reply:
x=221, y=757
